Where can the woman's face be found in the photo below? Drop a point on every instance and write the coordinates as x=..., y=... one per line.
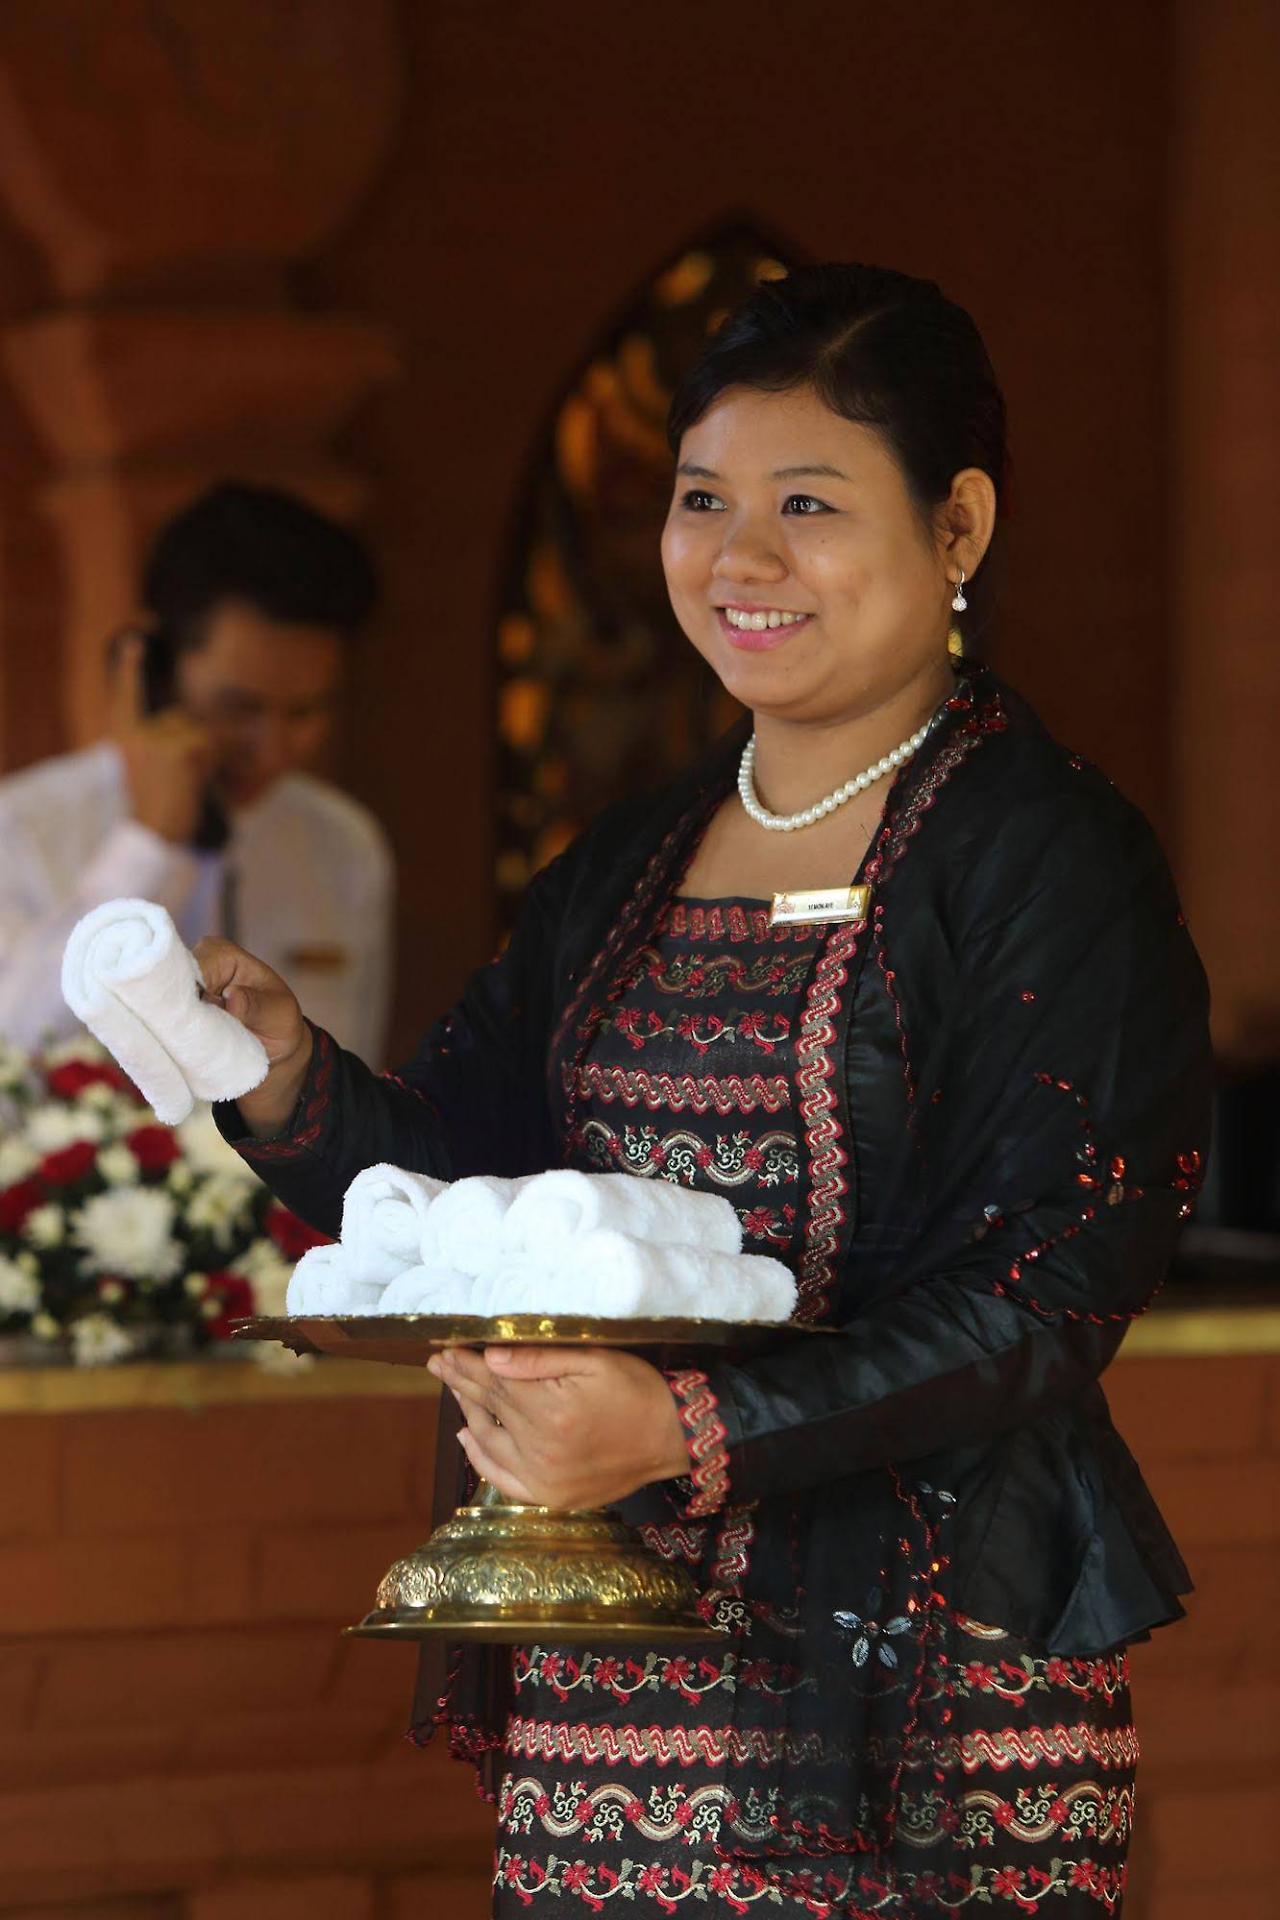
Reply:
x=796, y=562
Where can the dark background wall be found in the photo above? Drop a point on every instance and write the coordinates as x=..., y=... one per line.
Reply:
x=547, y=164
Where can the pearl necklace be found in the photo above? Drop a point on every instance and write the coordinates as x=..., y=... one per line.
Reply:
x=808, y=816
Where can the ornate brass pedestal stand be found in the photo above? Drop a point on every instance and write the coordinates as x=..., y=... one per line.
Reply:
x=501, y=1572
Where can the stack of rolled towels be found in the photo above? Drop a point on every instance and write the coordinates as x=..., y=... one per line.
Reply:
x=606, y=1245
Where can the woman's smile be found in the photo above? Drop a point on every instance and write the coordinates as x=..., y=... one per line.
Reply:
x=759, y=629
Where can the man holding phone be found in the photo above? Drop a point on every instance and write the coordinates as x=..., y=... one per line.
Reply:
x=200, y=797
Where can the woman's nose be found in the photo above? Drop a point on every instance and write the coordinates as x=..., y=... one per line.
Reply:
x=748, y=553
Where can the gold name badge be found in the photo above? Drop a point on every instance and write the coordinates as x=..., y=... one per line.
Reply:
x=826, y=904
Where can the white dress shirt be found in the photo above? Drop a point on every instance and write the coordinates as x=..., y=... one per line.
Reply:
x=306, y=882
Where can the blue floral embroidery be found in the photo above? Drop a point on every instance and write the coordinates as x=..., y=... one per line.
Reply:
x=870, y=1633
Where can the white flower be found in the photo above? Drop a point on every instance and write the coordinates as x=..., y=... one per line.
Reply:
x=268, y=1273
x=218, y=1206
x=196, y=1285
x=206, y=1150
x=180, y=1178
x=15, y=1066
x=45, y=1226
x=117, y=1165
x=117, y=1110
x=80, y=1046
x=45, y=1327
x=129, y=1232
x=52, y=1127
x=96, y=1341
x=16, y=1159
x=19, y=1293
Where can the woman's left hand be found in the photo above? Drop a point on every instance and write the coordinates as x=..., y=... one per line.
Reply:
x=564, y=1426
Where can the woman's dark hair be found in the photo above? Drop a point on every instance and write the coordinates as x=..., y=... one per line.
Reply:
x=880, y=348
x=263, y=546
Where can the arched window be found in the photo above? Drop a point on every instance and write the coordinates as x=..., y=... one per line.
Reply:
x=598, y=691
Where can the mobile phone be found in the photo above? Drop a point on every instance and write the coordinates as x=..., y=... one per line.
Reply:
x=160, y=690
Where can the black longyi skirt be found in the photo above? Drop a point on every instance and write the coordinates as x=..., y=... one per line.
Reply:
x=619, y=1786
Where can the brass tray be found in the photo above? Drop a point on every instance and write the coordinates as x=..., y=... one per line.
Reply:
x=410, y=1339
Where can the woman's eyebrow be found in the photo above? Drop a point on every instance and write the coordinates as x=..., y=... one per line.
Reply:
x=817, y=471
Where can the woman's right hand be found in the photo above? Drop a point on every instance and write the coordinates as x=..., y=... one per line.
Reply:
x=261, y=1001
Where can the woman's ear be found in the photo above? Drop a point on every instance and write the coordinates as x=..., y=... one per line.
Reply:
x=966, y=521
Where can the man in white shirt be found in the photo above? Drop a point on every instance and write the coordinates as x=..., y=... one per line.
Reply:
x=199, y=798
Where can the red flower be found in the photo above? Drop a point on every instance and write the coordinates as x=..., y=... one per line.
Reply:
x=293, y=1236
x=17, y=1202
x=70, y=1079
x=234, y=1296
x=1004, y=1815
x=633, y=1811
x=154, y=1148
x=68, y=1164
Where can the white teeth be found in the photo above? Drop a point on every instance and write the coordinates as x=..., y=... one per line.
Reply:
x=758, y=622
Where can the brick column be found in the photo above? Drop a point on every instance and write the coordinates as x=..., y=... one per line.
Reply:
x=169, y=164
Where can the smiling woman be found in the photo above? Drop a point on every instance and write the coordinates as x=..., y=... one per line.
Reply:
x=957, y=1079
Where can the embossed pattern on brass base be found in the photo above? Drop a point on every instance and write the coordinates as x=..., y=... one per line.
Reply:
x=507, y=1573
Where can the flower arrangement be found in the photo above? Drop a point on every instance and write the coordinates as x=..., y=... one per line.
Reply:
x=118, y=1236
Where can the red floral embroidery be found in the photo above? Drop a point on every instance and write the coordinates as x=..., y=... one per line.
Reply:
x=699, y=1411
x=820, y=1118
x=316, y=1101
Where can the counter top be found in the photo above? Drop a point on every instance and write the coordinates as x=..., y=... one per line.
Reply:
x=1177, y=1328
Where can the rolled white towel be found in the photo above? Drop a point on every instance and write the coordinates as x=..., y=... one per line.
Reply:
x=554, y=1208
x=127, y=975
x=428, y=1289
x=618, y=1278
x=466, y=1222
x=320, y=1283
x=518, y=1283
x=385, y=1225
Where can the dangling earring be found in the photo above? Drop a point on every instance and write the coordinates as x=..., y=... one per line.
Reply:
x=959, y=603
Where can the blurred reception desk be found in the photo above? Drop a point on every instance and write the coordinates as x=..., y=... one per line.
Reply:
x=184, y=1735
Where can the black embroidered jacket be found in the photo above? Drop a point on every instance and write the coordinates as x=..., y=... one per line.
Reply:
x=1007, y=1087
